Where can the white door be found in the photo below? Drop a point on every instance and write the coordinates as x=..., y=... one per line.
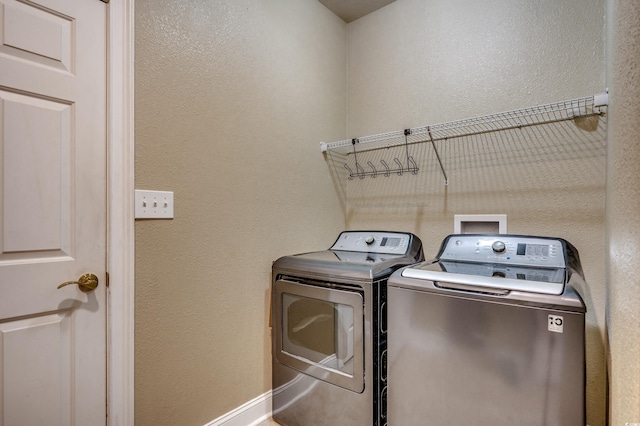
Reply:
x=53, y=212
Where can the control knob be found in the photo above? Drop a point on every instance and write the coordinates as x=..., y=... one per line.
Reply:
x=369, y=239
x=498, y=246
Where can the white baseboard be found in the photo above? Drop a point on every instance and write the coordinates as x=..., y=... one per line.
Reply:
x=250, y=413
x=292, y=391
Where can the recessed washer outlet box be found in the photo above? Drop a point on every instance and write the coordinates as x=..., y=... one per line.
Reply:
x=480, y=224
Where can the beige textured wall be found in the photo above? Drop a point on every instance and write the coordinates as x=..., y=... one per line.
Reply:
x=420, y=62
x=623, y=210
x=232, y=99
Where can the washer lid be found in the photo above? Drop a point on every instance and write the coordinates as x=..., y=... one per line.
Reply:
x=491, y=277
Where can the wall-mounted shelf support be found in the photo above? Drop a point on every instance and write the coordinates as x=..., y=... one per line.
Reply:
x=435, y=150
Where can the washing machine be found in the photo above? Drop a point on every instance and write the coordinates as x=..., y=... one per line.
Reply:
x=329, y=336
x=491, y=332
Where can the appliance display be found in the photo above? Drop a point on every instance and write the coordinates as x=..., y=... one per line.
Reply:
x=491, y=332
x=329, y=335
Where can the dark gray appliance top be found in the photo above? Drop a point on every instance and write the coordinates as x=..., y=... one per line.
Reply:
x=356, y=255
x=526, y=268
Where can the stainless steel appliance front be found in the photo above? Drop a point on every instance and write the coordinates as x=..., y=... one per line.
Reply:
x=490, y=333
x=329, y=329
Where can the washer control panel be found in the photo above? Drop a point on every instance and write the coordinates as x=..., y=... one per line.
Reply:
x=508, y=249
x=373, y=242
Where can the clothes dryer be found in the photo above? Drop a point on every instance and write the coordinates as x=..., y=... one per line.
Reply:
x=329, y=329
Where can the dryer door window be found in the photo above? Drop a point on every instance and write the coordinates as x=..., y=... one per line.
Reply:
x=319, y=331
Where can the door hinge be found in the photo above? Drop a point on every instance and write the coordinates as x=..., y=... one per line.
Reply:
x=107, y=274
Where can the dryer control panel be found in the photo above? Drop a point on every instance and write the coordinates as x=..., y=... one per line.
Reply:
x=507, y=249
x=373, y=242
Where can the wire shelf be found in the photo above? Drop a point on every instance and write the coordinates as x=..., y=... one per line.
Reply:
x=403, y=162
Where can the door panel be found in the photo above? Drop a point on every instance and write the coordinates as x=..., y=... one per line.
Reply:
x=37, y=158
x=53, y=211
x=37, y=35
x=27, y=375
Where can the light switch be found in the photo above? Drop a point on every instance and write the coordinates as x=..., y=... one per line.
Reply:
x=153, y=204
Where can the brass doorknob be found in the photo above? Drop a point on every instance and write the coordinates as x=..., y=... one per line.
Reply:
x=87, y=282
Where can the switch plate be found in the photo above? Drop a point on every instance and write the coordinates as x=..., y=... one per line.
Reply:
x=153, y=204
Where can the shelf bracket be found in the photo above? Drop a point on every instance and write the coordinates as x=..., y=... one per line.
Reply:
x=433, y=144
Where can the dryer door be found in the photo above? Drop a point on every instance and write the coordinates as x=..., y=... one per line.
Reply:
x=319, y=331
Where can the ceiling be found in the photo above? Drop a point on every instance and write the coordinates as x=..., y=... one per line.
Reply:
x=350, y=10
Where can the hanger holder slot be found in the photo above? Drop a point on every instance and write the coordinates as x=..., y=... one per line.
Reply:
x=407, y=165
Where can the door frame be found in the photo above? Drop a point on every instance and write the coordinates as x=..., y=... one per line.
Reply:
x=120, y=201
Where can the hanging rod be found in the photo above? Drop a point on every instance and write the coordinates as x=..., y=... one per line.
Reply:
x=558, y=111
